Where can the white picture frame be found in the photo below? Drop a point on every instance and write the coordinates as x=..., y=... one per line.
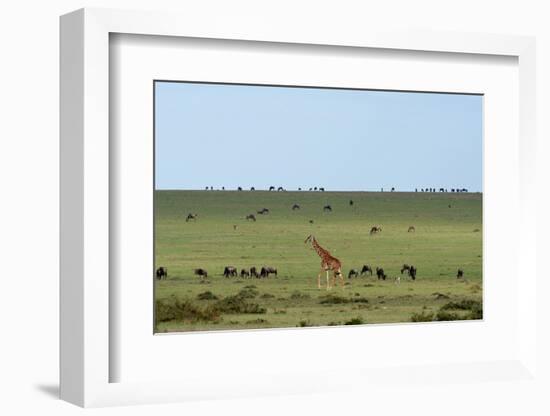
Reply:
x=86, y=355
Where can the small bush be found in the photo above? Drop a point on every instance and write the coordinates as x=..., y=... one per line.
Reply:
x=422, y=317
x=443, y=315
x=208, y=295
x=257, y=321
x=250, y=287
x=248, y=293
x=237, y=304
x=355, y=321
x=267, y=296
x=333, y=300
x=174, y=309
x=298, y=295
x=464, y=304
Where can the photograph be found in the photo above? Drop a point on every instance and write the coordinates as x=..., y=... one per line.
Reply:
x=283, y=206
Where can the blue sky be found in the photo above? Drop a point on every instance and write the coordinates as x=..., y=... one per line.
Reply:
x=239, y=135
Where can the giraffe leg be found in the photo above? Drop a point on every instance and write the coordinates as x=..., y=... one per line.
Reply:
x=319, y=279
x=328, y=283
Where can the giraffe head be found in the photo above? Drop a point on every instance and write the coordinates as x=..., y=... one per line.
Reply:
x=309, y=238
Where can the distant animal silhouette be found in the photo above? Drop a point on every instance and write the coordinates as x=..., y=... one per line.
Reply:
x=459, y=273
x=366, y=269
x=201, y=272
x=263, y=211
x=245, y=273
x=239, y=189
x=412, y=272
x=191, y=217
x=266, y=271
x=251, y=217
x=271, y=188
x=411, y=229
x=162, y=273
x=375, y=230
x=311, y=221
x=406, y=268
x=252, y=188
x=254, y=272
x=322, y=189
x=353, y=273
x=280, y=188
x=380, y=273
x=327, y=208
x=351, y=202
x=295, y=207
x=229, y=271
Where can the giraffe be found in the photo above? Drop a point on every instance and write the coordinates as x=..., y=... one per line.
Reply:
x=328, y=262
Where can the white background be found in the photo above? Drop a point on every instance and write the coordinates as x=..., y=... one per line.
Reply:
x=136, y=61
x=29, y=208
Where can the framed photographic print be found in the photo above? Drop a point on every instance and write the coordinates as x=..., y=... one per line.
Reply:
x=309, y=206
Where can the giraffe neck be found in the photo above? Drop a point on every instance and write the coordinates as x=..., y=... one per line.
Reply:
x=320, y=250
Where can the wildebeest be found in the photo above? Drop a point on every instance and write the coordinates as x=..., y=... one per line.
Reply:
x=375, y=229
x=245, y=273
x=239, y=189
x=353, y=273
x=235, y=227
x=327, y=208
x=411, y=229
x=252, y=188
x=201, y=272
x=311, y=221
x=412, y=272
x=351, y=202
x=251, y=217
x=366, y=269
x=263, y=211
x=459, y=273
x=254, y=272
x=322, y=189
x=392, y=189
x=271, y=188
x=191, y=217
x=162, y=273
x=280, y=188
x=295, y=207
x=380, y=273
x=314, y=188
x=406, y=268
x=229, y=271
x=266, y=271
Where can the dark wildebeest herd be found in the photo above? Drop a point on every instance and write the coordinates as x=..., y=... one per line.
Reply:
x=266, y=271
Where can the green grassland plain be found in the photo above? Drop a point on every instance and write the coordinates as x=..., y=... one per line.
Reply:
x=448, y=236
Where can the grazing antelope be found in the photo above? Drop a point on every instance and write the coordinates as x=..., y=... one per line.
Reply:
x=201, y=272
x=191, y=217
x=380, y=273
x=375, y=230
x=162, y=273
x=328, y=263
x=251, y=217
x=229, y=271
x=353, y=273
x=366, y=269
x=327, y=208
